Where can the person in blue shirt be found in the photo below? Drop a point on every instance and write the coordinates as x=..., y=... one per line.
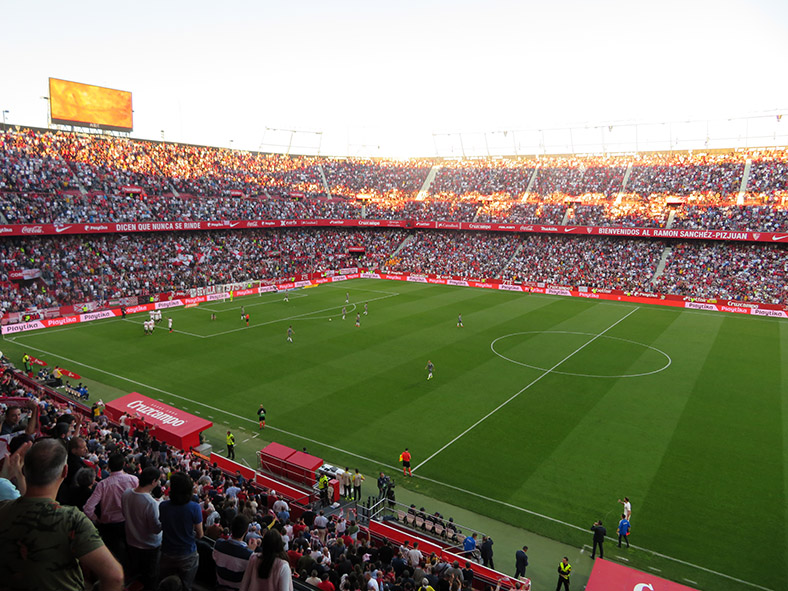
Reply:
x=623, y=530
x=181, y=524
x=469, y=544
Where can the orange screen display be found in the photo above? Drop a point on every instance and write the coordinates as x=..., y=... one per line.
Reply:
x=95, y=106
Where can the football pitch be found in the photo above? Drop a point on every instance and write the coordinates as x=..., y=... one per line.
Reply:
x=543, y=410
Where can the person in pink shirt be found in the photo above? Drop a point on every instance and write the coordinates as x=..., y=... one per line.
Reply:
x=108, y=494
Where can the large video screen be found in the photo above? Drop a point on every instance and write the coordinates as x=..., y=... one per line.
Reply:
x=72, y=103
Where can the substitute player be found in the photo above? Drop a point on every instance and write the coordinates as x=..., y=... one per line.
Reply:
x=261, y=416
x=430, y=368
x=405, y=459
x=290, y=334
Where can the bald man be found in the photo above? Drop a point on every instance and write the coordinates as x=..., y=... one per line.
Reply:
x=45, y=544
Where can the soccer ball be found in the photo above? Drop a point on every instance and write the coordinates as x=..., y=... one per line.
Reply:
x=330, y=319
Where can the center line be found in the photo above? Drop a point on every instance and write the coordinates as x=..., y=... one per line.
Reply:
x=515, y=395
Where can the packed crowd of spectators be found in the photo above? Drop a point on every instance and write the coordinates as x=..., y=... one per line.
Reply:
x=632, y=212
x=571, y=177
x=744, y=272
x=500, y=178
x=57, y=177
x=378, y=179
x=627, y=265
x=458, y=254
x=75, y=207
x=79, y=269
x=517, y=212
x=701, y=178
x=53, y=162
x=767, y=183
x=753, y=218
x=76, y=269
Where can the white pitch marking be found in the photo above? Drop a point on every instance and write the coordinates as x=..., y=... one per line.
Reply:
x=582, y=375
x=516, y=394
x=377, y=463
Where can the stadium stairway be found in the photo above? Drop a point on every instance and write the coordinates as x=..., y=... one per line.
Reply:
x=531, y=182
x=516, y=252
x=663, y=260
x=404, y=243
x=325, y=181
x=75, y=178
x=425, y=188
x=620, y=195
x=744, y=180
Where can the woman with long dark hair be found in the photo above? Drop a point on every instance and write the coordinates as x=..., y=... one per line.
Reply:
x=181, y=524
x=268, y=569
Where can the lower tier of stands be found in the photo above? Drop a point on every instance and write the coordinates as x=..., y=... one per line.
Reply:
x=43, y=273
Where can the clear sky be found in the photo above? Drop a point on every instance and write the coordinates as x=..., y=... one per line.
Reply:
x=380, y=78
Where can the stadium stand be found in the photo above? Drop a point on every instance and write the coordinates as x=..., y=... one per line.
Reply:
x=67, y=178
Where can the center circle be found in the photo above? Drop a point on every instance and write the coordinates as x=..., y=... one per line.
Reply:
x=668, y=360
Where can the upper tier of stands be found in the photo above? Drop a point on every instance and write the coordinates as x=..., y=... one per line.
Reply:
x=64, y=177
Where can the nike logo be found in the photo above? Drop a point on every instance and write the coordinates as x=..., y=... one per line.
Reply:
x=569, y=229
x=780, y=237
x=61, y=229
x=233, y=224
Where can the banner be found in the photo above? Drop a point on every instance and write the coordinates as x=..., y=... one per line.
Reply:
x=659, y=233
x=70, y=374
x=611, y=576
x=24, y=274
x=170, y=424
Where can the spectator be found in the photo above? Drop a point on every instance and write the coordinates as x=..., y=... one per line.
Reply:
x=108, y=493
x=143, y=528
x=46, y=545
x=232, y=555
x=181, y=523
x=268, y=570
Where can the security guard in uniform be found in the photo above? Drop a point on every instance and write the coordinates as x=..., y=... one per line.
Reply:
x=230, y=445
x=322, y=485
x=564, y=570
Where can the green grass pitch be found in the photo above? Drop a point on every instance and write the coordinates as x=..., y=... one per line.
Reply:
x=542, y=413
